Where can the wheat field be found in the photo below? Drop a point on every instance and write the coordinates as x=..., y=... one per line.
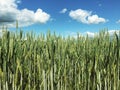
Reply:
x=52, y=62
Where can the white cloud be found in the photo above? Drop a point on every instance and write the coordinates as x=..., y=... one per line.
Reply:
x=79, y=15
x=41, y=16
x=94, y=19
x=86, y=17
x=63, y=10
x=9, y=13
x=8, y=3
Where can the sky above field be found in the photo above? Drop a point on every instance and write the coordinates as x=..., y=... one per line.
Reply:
x=62, y=16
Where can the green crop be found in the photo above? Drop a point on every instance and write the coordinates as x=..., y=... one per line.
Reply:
x=52, y=62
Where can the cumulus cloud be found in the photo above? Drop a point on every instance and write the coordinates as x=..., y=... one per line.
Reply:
x=94, y=19
x=86, y=17
x=9, y=13
x=41, y=16
x=63, y=10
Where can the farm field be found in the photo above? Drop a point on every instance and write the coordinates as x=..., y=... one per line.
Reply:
x=60, y=45
x=53, y=62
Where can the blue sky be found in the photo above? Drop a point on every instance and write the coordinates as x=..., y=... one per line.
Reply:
x=62, y=16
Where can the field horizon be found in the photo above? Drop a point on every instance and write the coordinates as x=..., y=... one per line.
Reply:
x=59, y=45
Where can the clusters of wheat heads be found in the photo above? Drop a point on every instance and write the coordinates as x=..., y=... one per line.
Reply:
x=52, y=62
